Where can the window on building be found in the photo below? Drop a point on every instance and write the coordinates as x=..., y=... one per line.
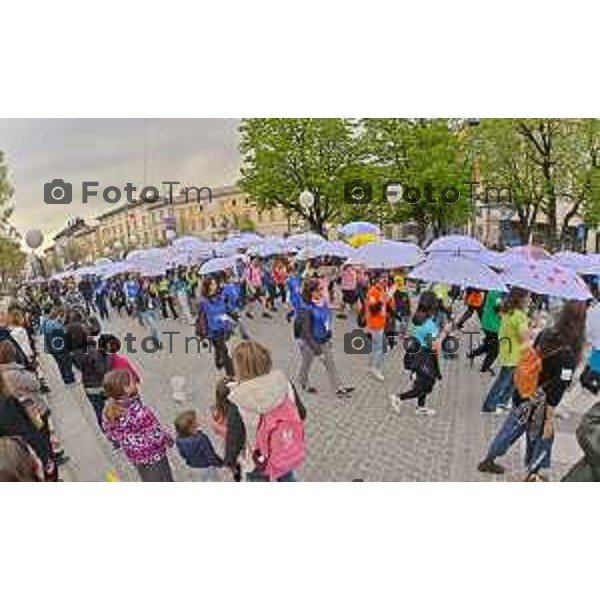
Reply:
x=233, y=202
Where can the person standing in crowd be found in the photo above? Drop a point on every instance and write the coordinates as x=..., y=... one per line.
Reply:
x=254, y=287
x=490, y=324
x=18, y=462
x=315, y=339
x=474, y=301
x=16, y=423
x=265, y=438
x=421, y=357
x=181, y=291
x=348, y=285
x=110, y=345
x=101, y=295
x=294, y=287
x=55, y=344
x=376, y=307
x=165, y=294
x=134, y=428
x=513, y=335
x=25, y=387
x=590, y=378
x=147, y=305
x=93, y=363
x=279, y=276
x=213, y=323
x=195, y=447
x=541, y=379
x=132, y=292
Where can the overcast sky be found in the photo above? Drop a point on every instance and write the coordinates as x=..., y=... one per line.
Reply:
x=110, y=151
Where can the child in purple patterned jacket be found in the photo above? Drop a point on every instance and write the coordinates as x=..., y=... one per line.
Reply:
x=134, y=428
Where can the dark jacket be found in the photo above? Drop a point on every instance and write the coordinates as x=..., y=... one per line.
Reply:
x=15, y=422
x=198, y=452
x=588, y=436
x=93, y=364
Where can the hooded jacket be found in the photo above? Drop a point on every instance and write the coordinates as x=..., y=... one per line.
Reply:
x=249, y=400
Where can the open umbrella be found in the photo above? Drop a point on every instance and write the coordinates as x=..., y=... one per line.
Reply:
x=387, y=255
x=215, y=265
x=457, y=270
x=456, y=244
x=546, y=277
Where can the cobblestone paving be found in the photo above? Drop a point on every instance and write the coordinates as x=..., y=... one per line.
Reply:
x=357, y=438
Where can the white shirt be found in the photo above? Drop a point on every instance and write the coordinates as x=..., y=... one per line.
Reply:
x=592, y=326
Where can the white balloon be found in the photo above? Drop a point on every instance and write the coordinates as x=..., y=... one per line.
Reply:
x=34, y=238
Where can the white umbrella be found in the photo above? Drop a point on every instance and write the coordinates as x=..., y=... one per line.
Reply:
x=587, y=264
x=265, y=249
x=457, y=270
x=214, y=265
x=387, y=255
x=546, y=277
x=456, y=244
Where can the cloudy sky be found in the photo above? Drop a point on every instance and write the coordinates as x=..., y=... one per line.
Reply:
x=112, y=152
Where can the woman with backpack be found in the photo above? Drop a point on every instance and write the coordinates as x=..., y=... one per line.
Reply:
x=544, y=373
x=265, y=438
x=513, y=335
x=313, y=325
x=421, y=357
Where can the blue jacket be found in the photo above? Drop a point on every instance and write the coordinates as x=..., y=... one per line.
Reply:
x=295, y=287
x=232, y=295
x=198, y=452
x=320, y=320
x=216, y=318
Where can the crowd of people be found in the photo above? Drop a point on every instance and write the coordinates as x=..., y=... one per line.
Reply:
x=258, y=413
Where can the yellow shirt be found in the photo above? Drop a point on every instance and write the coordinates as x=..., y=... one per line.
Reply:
x=513, y=327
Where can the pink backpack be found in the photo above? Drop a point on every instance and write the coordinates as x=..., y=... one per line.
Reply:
x=279, y=446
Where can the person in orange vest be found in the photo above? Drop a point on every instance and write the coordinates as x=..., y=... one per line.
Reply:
x=474, y=301
x=376, y=308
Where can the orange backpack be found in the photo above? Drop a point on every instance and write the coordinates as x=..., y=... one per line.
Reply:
x=527, y=373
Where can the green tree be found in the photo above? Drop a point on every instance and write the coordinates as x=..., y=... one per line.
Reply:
x=284, y=157
x=550, y=166
x=425, y=154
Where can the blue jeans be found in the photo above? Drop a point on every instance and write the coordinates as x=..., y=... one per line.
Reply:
x=501, y=391
x=378, y=348
x=64, y=362
x=149, y=319
x=538, y=453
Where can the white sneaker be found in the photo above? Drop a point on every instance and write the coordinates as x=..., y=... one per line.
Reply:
x=377, y=374
x=396, y=402
x=426, y=412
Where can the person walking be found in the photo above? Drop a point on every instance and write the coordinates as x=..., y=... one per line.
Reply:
x=541, y=379
x=315, y=339
x=213, y=323
x=421, y=357
x=376, y=308
x=147, y=306
x=490, y=324
x=513, y=335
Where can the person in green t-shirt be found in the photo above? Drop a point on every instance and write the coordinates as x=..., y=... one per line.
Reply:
x=513, y=334
x=490, y=323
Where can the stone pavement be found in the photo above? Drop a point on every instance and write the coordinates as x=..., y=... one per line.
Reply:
x=361, y=437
